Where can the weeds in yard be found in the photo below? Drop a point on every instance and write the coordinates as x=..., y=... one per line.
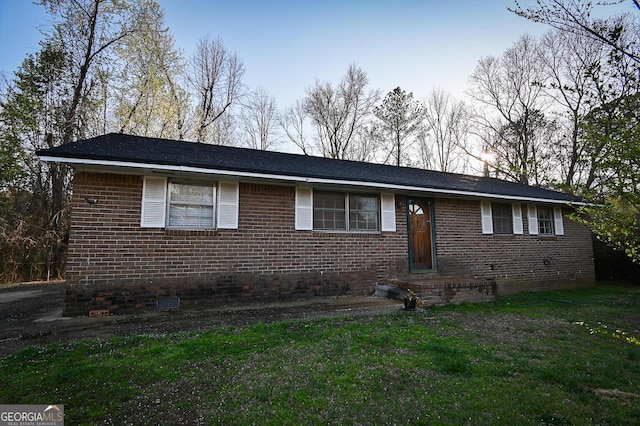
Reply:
x=519, y=361
x=605, y=331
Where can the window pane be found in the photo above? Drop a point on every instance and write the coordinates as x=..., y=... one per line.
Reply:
x=191, y=206
x=190, y=216
x=363, y=213
x=502, y=220
x=329, y=210
x=191, y=193
x=545, y=221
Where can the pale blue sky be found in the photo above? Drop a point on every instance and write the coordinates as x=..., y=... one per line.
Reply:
x=287, y=44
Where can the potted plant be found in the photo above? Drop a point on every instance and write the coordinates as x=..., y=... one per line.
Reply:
x=411, y=301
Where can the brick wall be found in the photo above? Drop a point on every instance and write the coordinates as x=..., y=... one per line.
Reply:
x=115, y=264
x=515, y=262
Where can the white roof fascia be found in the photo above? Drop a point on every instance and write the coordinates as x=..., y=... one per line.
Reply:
x=170, y=168
x=441, y=191
x=301, y=179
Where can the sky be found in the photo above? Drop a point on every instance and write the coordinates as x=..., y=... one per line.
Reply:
x=286, y=45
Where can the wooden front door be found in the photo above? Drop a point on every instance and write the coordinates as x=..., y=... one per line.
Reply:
x=420, y=235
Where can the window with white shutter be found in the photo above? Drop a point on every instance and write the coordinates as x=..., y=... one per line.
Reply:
x=502, y=218
x=545, y=221
x=189, y=204
x=343, y=211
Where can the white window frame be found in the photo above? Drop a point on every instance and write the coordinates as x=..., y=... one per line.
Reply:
x=156, y=203
x=549, y=220
x=340, y=196
x=173, y=204
x=304, y=211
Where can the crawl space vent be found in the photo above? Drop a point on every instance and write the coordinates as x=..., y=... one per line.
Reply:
x=168, y=304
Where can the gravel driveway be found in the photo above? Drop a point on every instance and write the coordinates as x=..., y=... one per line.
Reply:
x=31, y=314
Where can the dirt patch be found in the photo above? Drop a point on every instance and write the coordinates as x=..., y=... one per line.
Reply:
x=509, y=329
x=615, y=394
x=32, y=315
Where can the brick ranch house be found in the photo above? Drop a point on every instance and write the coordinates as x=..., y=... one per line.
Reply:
x=158, y=221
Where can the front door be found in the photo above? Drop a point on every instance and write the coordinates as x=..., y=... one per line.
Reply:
x=420, y=235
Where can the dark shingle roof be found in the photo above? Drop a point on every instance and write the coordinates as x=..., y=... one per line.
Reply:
x=142, y=150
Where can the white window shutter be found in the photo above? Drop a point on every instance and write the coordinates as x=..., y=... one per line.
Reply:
x=388, y=212
x=487, y=220
x=557, y=216
x=154, y=202
x=517, y=219
x=228, y=205
x=532, y=213
x=304, y=209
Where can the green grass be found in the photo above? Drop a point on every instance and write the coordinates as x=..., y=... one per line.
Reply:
x=561, y=358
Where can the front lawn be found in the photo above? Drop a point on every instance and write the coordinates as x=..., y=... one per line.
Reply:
x=560, y=358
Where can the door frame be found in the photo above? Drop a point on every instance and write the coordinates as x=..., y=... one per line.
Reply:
x=429, y=203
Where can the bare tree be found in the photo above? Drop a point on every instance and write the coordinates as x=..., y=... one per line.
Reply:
x=509, y=91
x=292, y=122
x=567, y=59
x=215, y=76
x=445, y=141
x=576, y=17
x=365, y=146
x=259, y=118
x=224, y=131
x=337, y=112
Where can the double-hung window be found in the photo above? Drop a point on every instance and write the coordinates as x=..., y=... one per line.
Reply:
x=329, y=210
x=545, y=221
x=363, y=213
x=189, y=204
x=339, y=211
x=502, y=218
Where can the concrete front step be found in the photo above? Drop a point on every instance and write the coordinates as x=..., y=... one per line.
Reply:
x=438, y=292
x=390, y=291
